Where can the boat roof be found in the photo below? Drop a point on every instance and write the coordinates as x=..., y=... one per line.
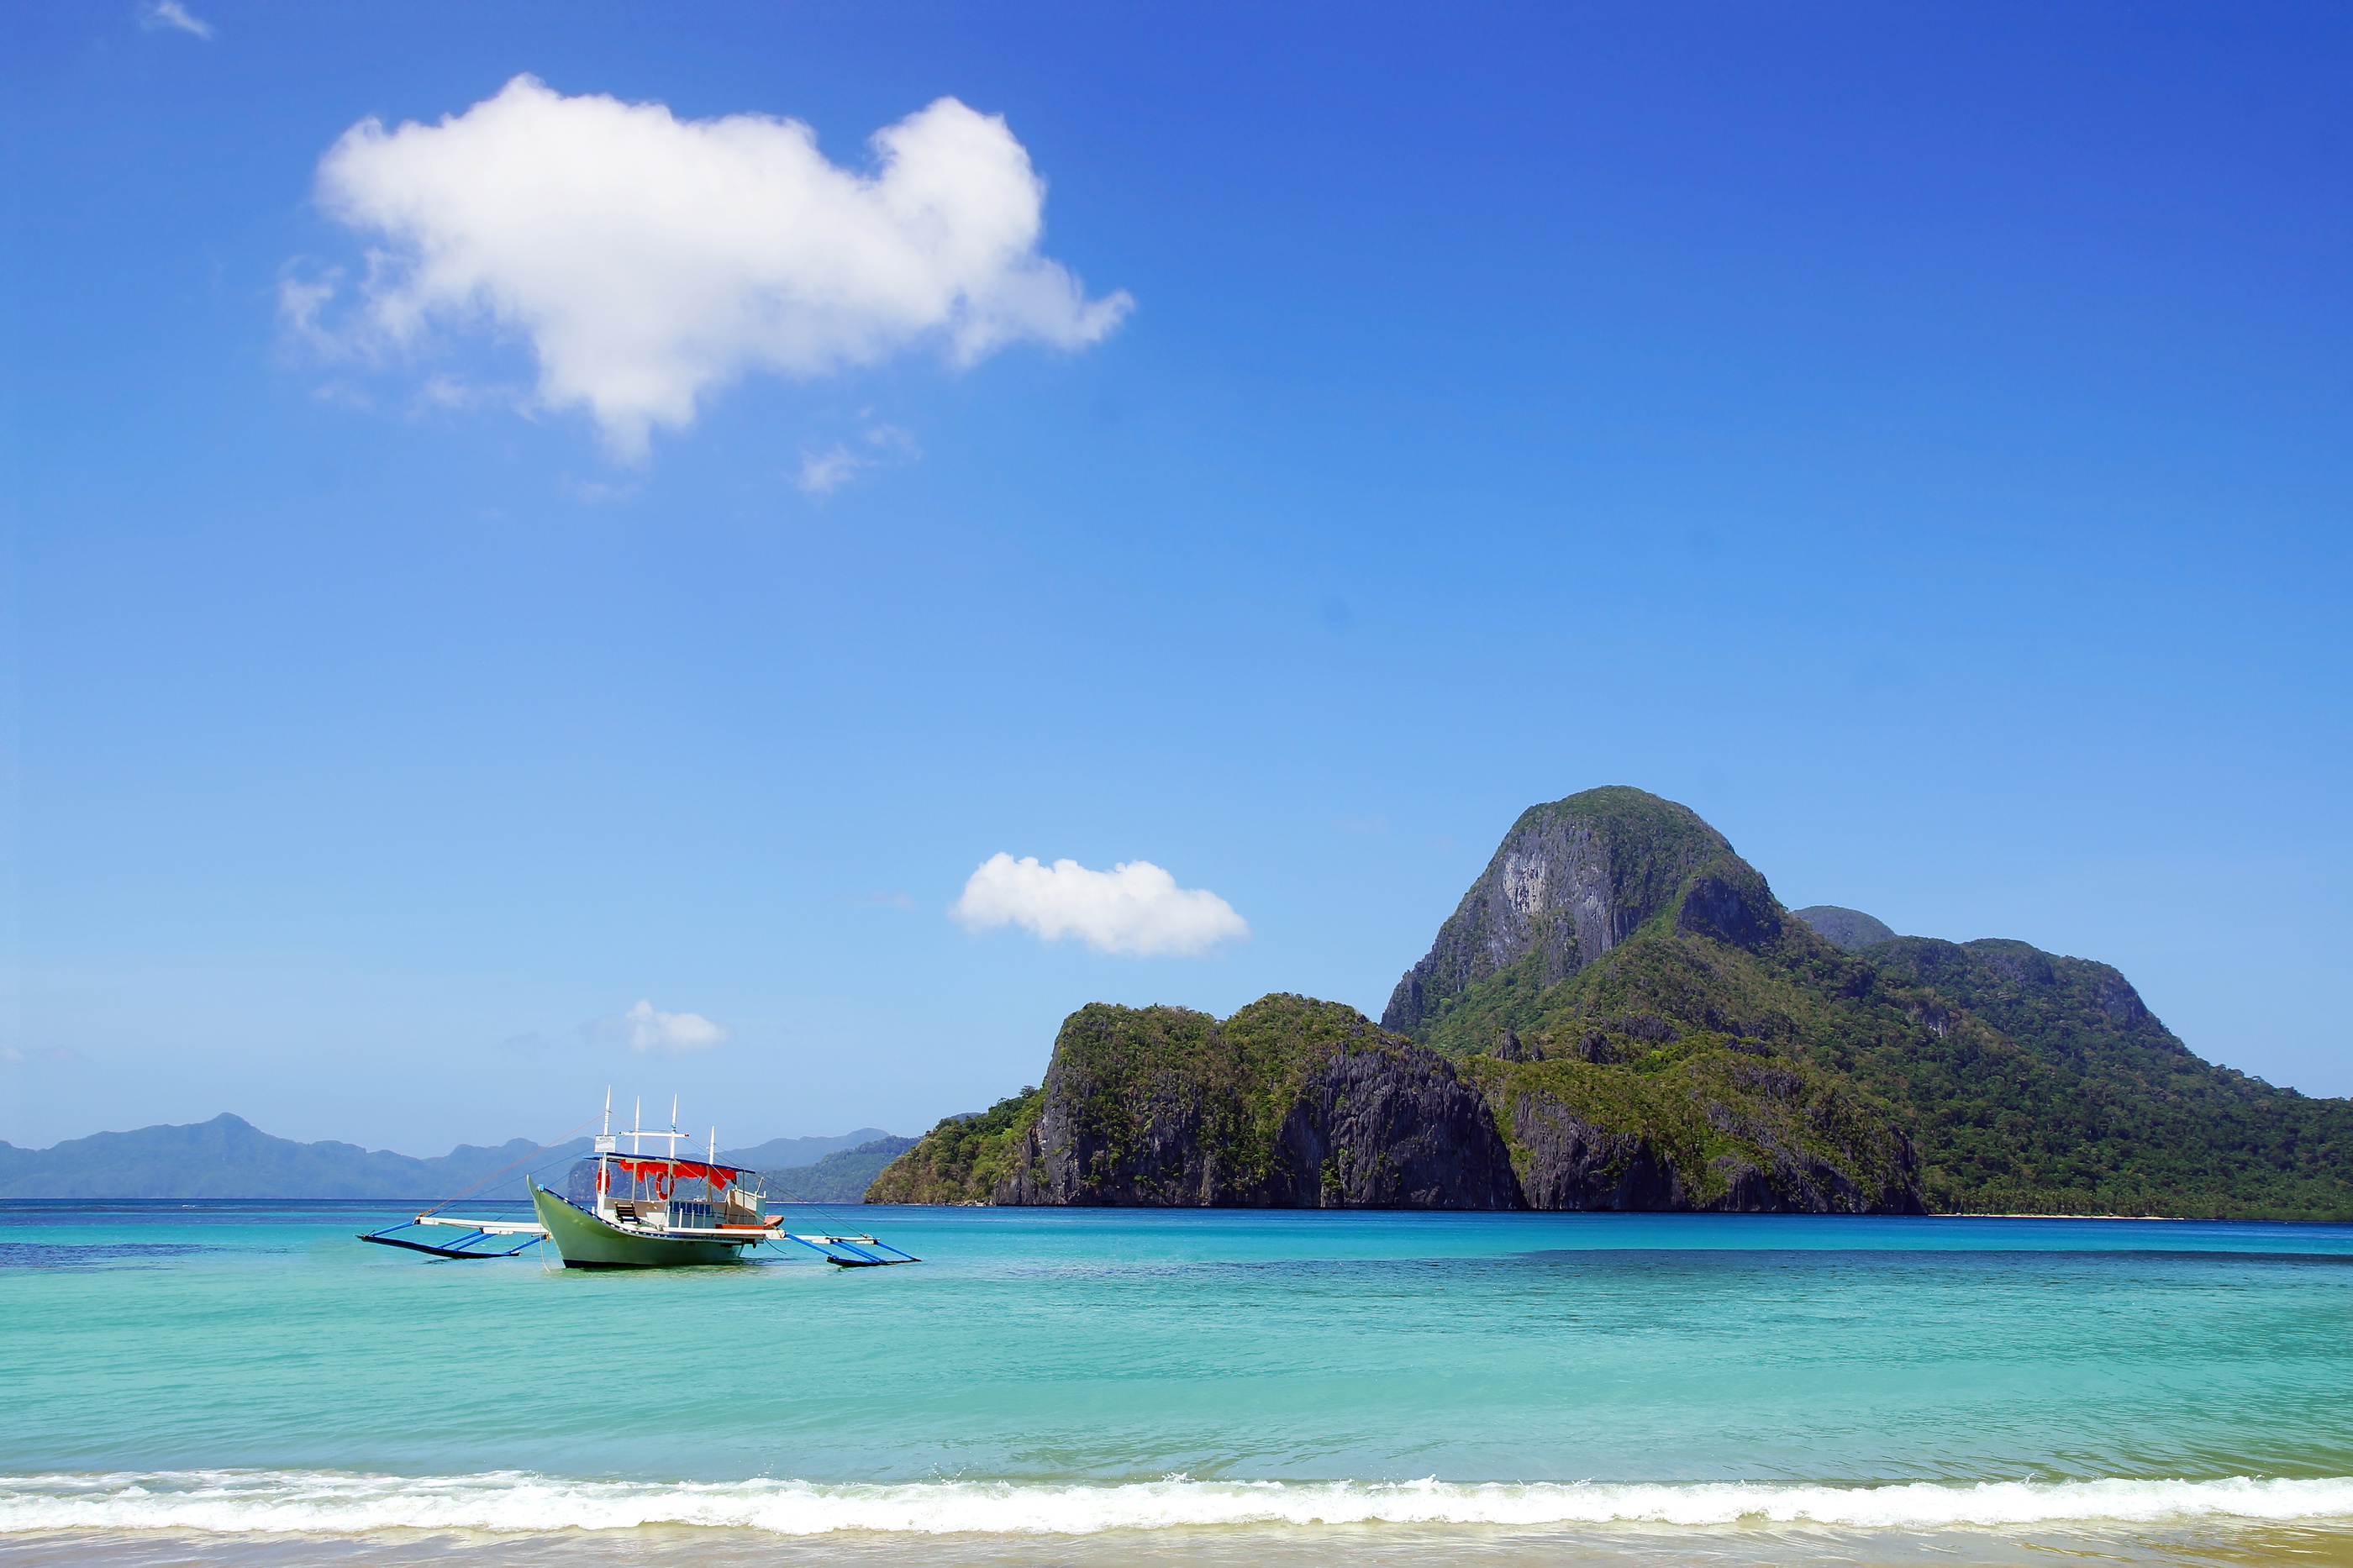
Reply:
x=646, y=1164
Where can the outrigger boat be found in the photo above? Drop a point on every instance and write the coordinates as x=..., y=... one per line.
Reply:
x=643, y=1211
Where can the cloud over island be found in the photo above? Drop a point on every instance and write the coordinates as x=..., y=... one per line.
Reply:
x=651, y=260
x=1135, y=908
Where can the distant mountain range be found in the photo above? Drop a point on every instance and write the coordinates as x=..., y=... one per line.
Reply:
x=841, y=1177
x=785, y=1153
x=1620, y=1014
x=229, y=1157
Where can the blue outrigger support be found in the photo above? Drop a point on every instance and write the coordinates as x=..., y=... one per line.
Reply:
x=496, y=1233
x=831, y=1247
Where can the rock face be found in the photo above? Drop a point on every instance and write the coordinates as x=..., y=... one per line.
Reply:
x=1390, y=1128
x=1608, y=986
x=1294, y=1103
x=1845, y=930
x=1290, y=1103
x=1720, y=1128
x=1572, y=1164
x=1571, y=880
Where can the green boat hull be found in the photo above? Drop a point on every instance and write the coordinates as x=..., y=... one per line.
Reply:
x=583, y=1241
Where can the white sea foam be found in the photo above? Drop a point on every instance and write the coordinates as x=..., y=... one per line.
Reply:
x=325, y=1502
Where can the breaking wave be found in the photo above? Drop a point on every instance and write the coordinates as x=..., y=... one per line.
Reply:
x=326, y=1502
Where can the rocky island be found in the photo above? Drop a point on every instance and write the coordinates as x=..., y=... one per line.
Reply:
x=1620, y=1014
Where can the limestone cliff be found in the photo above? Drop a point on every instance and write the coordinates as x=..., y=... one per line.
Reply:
x=1720, y=1127
x=1289, y=1103
x=1597, y=983
x=1571, y=879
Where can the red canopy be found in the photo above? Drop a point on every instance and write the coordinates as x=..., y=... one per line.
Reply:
x=677, y=1170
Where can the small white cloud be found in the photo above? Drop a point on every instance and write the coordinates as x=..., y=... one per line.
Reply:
x=652, y=1031
x=649, y=260
x=1135, y=908
x=644, y=1029
x=822, y=473
x=172, y=14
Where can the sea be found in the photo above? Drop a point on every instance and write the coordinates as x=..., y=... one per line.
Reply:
x=246, y=1382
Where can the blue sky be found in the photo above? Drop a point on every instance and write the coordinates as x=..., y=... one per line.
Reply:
x=1915, y=438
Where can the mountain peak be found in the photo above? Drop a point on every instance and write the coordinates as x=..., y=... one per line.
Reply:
x=1572, y=880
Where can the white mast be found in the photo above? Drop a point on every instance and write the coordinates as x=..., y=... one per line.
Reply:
x=605, y=1144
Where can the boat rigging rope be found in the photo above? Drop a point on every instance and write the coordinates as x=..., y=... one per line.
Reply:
x=502, y=1170
x=832, y=1219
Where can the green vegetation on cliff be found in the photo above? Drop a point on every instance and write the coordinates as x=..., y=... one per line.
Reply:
x=1289, y=1102
x=963, y=1159
x=1125, y=1079
x=2101, y=1108
x=1726, y=1127
x=1297, y=1102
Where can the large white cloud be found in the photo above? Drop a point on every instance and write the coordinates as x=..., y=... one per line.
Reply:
x=649, y=260
x=1134, y=908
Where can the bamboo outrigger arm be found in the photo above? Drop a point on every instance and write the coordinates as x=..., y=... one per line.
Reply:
x=833, y=1247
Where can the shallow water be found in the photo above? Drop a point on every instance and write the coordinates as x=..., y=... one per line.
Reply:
x=246, y=1382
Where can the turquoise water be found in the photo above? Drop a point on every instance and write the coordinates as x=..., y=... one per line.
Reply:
x=249, y=1382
